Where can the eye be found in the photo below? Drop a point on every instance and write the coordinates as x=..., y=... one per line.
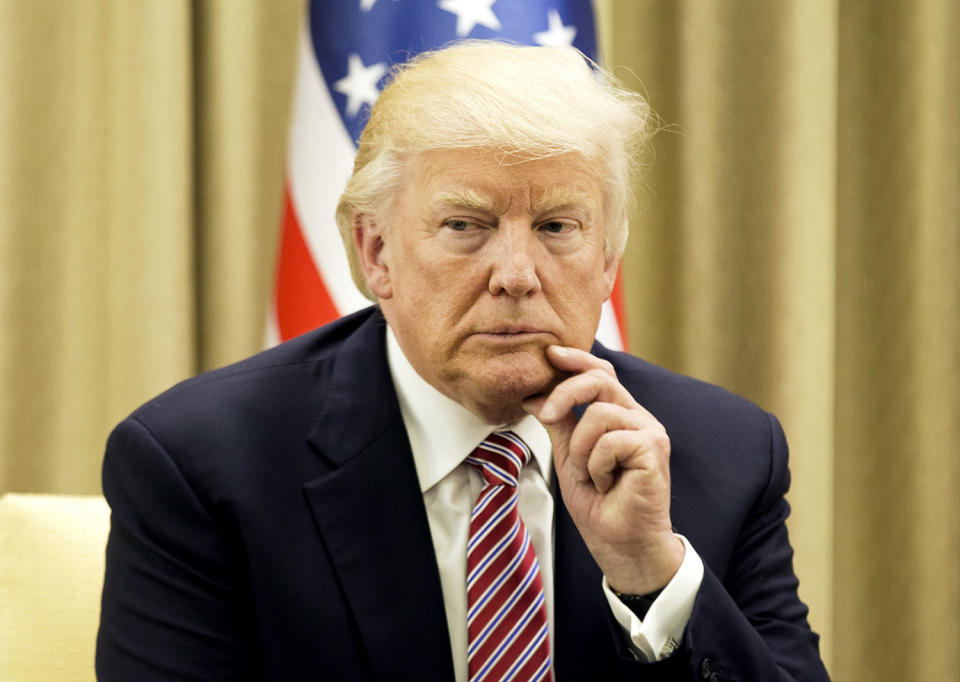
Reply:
x=458, y=224
x=557, y=226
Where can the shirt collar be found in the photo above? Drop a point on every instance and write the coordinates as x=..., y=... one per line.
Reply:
x=442, y=432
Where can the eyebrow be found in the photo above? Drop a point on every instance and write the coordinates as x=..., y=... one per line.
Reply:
x=562, y=198
x=556, y=198
x=463, y=198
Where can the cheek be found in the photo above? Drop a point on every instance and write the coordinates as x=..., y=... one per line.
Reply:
x=581, y=280
x=433, y=310
x=449, y=286
x=579, y=299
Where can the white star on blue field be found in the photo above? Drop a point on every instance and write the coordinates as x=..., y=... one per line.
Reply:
x=356, y=41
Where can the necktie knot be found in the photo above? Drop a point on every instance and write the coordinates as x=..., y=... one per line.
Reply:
x=500, y=458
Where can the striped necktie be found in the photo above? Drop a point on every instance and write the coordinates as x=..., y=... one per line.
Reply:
x=506, y=614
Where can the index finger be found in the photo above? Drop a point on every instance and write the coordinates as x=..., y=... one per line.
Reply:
x=591, y=379
x=575, y=360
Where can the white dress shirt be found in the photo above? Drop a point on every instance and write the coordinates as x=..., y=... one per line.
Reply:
x=442, y=433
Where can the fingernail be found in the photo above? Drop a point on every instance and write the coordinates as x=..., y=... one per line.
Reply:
x=560, y=350
x=548, y=412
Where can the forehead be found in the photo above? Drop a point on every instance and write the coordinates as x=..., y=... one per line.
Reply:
x=486, y=179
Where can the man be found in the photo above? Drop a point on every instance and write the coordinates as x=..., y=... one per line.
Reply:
x=459, y=483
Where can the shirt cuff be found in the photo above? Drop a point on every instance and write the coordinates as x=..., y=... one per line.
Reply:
x=658, y=634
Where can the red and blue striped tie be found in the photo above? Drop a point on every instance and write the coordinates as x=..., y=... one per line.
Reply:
x=506, y=614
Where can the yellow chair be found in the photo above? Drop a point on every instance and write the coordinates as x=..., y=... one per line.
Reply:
x=51, y=575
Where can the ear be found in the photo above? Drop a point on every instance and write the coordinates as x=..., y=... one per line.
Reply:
x=368, y=240
x=610, y=276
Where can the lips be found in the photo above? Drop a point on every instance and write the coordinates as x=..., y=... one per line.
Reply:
x=513, y=329
x=508, y=333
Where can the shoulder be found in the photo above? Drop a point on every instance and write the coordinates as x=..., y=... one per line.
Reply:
x=282, y=385
x=235, y=432
x=305, y=356
x=683, y=400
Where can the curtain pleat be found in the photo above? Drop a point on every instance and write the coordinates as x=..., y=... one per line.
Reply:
x=244, y=68
x=898, y=351
x=97, y=302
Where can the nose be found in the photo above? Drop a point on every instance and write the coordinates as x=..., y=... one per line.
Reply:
x=514, y=260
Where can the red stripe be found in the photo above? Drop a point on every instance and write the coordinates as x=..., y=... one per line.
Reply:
x=521, y=642
x=495, y=535
x=505, y=589
x=500, y=632
x=499, y=461
x=491, y=509
x=491, y=572
x=619, y=310
x=300, y=297
x=537, y=658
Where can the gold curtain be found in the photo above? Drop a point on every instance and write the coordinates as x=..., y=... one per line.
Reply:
x=798, y=241
x=141, y=164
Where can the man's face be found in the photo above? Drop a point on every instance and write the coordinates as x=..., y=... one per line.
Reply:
x=483, y=265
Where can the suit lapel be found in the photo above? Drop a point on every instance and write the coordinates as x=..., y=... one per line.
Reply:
x=370, y=514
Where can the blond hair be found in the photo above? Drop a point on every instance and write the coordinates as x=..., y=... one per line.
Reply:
x=525, y=103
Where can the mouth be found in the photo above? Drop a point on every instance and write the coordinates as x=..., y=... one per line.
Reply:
x=513, y=331
x=515, y=334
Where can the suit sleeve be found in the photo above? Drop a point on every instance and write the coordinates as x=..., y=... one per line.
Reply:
x=170, y=607
x=751, y=625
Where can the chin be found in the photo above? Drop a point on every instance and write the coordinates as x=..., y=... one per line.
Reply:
x=500, y=390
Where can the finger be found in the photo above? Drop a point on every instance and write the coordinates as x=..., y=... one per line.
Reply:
x=602, y=464
x=586, y=387
x=534, y=404
x=598, y=419
x=570, y=359
x=618, y=451
x=559, y=429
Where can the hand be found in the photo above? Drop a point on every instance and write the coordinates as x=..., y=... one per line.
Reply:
x=613, y=467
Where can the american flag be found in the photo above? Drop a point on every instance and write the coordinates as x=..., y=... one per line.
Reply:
x=346, y=49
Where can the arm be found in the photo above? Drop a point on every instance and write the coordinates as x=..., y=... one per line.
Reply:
x=752, y=625
x=613, y=471
x=170, y=598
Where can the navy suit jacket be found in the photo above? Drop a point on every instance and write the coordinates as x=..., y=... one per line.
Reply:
x=267, y=523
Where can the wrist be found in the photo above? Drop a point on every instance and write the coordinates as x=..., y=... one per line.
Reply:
x=647, y=571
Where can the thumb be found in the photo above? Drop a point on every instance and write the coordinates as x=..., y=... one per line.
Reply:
x=559, y=427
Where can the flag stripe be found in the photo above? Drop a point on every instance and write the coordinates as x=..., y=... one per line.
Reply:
x=319, y=163
x=302, y=301
x=619, y=309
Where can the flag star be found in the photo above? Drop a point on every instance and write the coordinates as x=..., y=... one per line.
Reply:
x=360, y=83
x=470, y=13
x=557, y=35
